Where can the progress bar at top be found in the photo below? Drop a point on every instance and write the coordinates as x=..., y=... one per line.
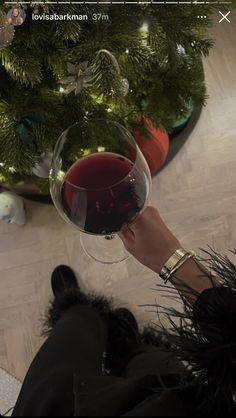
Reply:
x=121, y=2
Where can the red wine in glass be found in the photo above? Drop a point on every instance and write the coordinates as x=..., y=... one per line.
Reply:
x=103, y=192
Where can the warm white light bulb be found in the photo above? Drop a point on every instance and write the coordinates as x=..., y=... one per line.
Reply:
x=144, y=27
x=61, y=89
x=127, y=51
x=109, y=110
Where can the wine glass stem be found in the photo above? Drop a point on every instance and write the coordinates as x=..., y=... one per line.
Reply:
x=109, y=237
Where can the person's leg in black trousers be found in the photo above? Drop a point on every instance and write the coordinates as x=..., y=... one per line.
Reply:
x=76, y=345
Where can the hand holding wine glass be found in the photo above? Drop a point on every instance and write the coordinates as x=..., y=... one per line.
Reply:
x=149, y=239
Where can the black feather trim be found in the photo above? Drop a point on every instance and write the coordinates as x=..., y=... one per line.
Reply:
x=123, y=332
x=205, y=335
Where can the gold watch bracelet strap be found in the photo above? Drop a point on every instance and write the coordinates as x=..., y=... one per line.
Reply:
x=179, y=257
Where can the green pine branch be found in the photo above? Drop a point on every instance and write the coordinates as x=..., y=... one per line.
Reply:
x=163, y=67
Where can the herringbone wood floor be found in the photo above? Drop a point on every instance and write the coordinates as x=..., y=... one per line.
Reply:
x=196, y=194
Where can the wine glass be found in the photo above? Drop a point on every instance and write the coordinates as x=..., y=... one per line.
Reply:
x=99, y=183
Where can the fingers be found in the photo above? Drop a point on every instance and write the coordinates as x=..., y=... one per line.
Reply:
x=129, y=233
x=127, y=236
x=149, y=214
x=126, y=233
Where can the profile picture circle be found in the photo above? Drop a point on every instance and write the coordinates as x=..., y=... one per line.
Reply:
x=16, y=16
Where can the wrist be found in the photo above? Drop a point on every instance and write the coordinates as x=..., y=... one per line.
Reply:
x=192, y=275
x=183, y=271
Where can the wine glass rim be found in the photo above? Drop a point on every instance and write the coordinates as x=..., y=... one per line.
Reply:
x=126, y=176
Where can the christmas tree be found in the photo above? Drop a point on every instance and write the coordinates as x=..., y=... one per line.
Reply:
x=115, y=61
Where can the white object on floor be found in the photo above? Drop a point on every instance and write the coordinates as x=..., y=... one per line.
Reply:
x=12, y=208
x=9, y=391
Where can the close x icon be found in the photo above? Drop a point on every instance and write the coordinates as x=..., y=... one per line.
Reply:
x=224, y=17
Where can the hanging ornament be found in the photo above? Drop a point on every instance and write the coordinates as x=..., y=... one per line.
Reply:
x=155, y=146
x=124, y=83
x=43, y=166
x=124, y=87
x=80, y=77
x=12, y=208
x=183, y=54
x=6, y=31
x=23, y=127
x=181, y=50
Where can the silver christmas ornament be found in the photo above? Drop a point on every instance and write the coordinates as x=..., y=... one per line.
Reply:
x=80, y=77
x=6, y=31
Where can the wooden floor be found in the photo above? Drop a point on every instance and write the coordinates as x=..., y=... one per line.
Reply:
x=196, y=194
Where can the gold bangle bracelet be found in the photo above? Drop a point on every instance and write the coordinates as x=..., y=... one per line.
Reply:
x=184, y=259
x=175, y=262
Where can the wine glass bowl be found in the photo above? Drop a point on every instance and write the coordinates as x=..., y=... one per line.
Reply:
x=99, y=180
